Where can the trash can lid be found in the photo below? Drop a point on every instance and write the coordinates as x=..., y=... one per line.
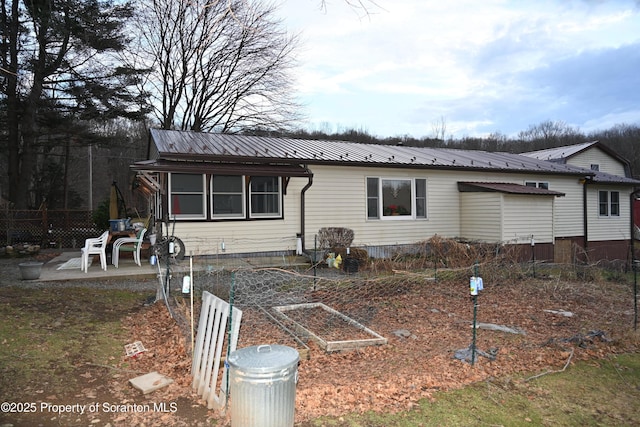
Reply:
x=264, y=358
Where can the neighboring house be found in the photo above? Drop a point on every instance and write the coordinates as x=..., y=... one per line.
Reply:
x=232, y=194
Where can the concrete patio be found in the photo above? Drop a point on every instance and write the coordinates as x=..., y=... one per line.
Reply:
x=128, y=269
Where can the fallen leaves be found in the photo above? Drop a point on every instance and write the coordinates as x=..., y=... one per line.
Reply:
x=394, y=377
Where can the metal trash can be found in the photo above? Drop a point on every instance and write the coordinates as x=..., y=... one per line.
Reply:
x=263, y=386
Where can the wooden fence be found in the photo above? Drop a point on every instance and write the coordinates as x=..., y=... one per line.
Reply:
x=47, y=228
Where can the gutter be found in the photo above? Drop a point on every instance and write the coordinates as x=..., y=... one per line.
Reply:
x=302, y=206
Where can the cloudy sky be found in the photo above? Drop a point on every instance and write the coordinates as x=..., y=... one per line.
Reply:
x=479, y=67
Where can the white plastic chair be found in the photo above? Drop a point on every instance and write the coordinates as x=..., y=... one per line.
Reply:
x=95, y=246
x=128, y=244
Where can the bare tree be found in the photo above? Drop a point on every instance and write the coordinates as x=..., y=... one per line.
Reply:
x=548, y=134
x=623, y=138
x=365, y=6
x=217, y=65
x=439, y=128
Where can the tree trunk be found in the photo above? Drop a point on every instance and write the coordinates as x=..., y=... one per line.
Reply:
x=13, y=134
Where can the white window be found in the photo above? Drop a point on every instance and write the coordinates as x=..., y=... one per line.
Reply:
x=373, y=198
x=535, y=184
x=230, y=196
x=187, y=196
x=227, y=196
x=396, y=198
x=265, y=195
x=421, y=198
x=609, y=203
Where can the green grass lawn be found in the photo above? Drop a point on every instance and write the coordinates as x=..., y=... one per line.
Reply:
x=595, y=393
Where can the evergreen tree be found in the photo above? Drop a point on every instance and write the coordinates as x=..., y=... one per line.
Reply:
x=60, y=68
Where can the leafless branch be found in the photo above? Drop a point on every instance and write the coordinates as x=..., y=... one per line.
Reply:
x=366, y=6
x=219, y=65
x=564, y=368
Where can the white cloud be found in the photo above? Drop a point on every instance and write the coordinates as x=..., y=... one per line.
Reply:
x=495, y=65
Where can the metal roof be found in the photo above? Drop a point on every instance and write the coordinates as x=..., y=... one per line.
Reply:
x=261, y=169
x=607, y=178
x=559, y=153
x=505, y=187
x=213, y=147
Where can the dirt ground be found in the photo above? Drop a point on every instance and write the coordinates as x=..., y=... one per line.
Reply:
x=527, y=327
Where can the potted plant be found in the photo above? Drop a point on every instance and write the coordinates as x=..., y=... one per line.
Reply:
x=394, y=210
x=391, y=210
x=402, y=210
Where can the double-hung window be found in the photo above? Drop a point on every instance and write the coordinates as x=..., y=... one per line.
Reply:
x=608, y=203
x=187, y=196
x=373, y=198
x=265, y=196
x=396, y=198
x=230, y=196
x=227, y=196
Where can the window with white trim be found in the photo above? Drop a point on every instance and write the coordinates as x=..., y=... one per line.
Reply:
x=396, y=198
x=227, y=196
x=373, y=198
x=536, y=184
x=421, y=198
x=230, y=196
x=265, y=196
x=187, y=196
x=608, y=203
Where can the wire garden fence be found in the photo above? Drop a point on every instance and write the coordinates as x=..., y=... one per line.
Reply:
x=333, y=309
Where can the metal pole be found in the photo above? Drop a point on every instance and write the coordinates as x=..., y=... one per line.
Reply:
x=90, y=179
x=473, y=342
x=475, y=316
x=533, y=255
x=635, y=296
x=193, y=338
x=315, y=252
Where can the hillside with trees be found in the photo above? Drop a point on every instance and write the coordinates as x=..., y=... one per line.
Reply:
x=623, y=139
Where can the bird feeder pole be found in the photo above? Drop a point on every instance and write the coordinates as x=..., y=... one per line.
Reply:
x=474, y=293
x=533, y=255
